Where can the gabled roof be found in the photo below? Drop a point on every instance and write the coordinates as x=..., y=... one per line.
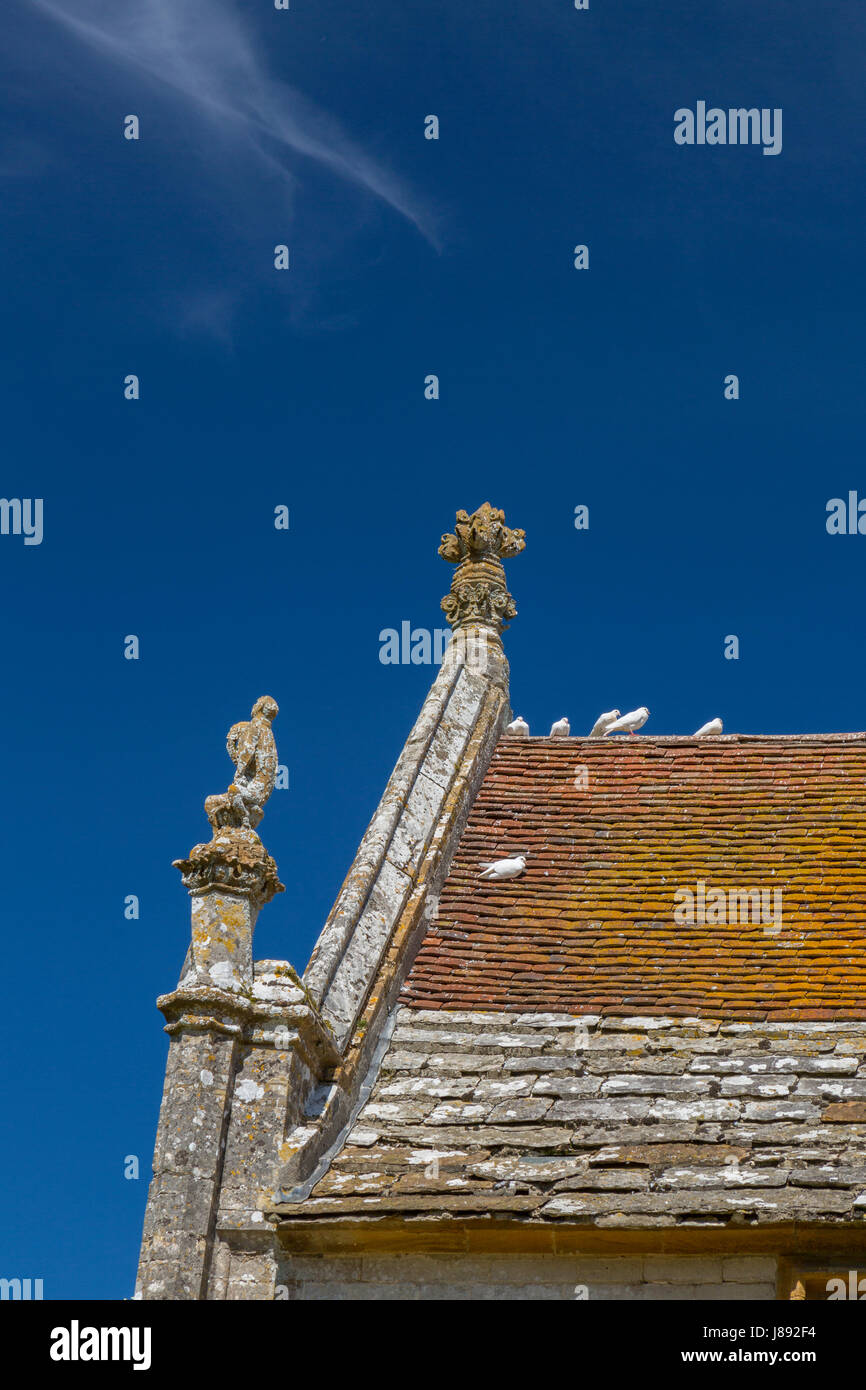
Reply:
x=561, y=1048
x=614, y=829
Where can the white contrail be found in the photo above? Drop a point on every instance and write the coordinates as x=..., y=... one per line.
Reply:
x=202, y=50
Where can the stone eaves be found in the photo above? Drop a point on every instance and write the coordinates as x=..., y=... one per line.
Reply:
x=614, y=1123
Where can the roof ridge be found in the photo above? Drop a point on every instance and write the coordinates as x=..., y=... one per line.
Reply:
x=852, y=737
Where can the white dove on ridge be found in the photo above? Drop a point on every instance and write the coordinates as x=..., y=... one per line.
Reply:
x=603, y=723
x=518, y=728
x=715, y=726
x=561, y=729
x=635, y=719
x=504, y=868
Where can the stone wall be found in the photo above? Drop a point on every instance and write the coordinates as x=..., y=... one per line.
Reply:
x=429, y=1277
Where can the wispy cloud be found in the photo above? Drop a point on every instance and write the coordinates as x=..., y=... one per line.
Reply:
x=204, y=52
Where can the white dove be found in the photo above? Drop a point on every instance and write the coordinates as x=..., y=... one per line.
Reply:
x=561, y=729
x=504, y=868
x=715, y=726
x=635, y=719
x=518, y=728
x=603, y=723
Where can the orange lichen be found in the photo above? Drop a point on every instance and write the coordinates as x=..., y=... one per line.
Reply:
x=590, y=926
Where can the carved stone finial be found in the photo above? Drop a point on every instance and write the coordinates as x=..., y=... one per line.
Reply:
x=479, y=544
x=235, y=858
x=252, y=749
x=233, y=876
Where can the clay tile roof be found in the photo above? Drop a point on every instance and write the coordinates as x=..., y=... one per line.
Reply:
x=590, y=926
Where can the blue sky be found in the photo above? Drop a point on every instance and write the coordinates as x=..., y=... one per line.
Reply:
x=306, y=388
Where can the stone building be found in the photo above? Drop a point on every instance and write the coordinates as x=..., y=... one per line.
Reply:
x=637, y=1070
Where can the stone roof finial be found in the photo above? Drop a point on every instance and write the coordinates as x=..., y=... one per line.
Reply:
x=478, y=545
x=233, y=876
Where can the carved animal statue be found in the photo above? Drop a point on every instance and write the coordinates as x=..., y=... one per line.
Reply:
x=252, y=749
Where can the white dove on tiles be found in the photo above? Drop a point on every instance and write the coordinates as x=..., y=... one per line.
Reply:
x=518, y=728
x=715, y=726
x=512, y=867
x=628, y=723
x=603, y=723
x=561, y=729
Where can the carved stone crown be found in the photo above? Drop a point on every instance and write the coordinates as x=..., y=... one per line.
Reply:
x=479, y=544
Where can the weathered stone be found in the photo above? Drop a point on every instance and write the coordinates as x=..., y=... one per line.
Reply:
x=623, y=1043
x=565, y=1022
x=708, y=1109
x=773, y=1205
x=405, y=1035
x=483, y=1202
x=642, y=1221
x=605, y=1179
x=519, y=1111
x=828, y=1175
x=546, y=1064
x=764, y=1086
x=602, y=1136
x=845, y=1112
x=364, y=1137
x=830, y=1088
x=594, y=1110
x=529, y=1042
x=732, y=1176
x=774, y=1134
x=666, y=1155
x=398, y=1111
x=404, y=1061
x=450, y=1089
x=503, y=1090
x=525, y=1168
x=654, y=1086
x=350, y=1184
x=567, y=1086
x=781, y=1110
x=740, y=1064
x=827, y=1066
x=458, y=1063
x=604, y=1063
x=460, y=1113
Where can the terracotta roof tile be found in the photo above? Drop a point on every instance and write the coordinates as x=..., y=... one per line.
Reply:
x=590, y=926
